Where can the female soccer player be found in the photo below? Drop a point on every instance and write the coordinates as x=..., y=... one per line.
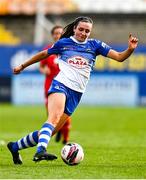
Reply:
x=77, y=56
x=49, y=67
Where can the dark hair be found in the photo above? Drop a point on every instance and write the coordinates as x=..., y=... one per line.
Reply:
x=55, y=27
x=68, y=30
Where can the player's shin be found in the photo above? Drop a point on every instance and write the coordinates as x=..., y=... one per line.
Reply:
x=44, y=137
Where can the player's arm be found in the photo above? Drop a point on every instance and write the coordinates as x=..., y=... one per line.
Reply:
x=121, y=56
x=36, y=58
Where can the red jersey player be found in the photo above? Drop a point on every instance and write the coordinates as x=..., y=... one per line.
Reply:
x=50, y=68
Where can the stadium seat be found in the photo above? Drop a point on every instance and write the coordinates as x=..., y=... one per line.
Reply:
x=7, y=37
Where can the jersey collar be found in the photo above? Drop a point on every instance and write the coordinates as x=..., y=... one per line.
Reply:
x=78, y=42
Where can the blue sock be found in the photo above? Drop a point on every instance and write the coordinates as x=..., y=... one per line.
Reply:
x=28, y=141
x=44, y=137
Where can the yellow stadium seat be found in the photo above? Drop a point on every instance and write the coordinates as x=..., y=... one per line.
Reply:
x=7, y=36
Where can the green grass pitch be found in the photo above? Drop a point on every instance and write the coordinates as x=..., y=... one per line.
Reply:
x=113, y=139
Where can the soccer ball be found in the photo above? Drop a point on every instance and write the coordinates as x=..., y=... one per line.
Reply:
x=72, y=153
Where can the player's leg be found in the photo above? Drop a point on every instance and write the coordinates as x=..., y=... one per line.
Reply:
x=62, y=102
x=46, y=101
x=59, y=127
x=65, y=130
x=58, y=136
x=56, y=104
x=61, y=123
x=28, y=141
x=72, y=100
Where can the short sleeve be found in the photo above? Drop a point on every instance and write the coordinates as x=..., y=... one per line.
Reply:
x=102, y=48
x=55, y=49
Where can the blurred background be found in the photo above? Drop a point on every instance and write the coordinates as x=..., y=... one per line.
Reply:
x=25, y=29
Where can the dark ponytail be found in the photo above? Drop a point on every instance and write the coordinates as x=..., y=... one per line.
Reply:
x=68, y=30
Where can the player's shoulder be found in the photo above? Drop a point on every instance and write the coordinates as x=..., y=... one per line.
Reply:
x=94, y=42
x=97, y=41
x=63, y=42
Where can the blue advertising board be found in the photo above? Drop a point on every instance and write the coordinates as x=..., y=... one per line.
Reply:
x=11, y=56
x=5, y=89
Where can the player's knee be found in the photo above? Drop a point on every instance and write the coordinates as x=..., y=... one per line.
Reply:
x=55, y=119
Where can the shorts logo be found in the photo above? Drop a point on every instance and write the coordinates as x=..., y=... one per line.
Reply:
x=57, y=87
x=78, y=61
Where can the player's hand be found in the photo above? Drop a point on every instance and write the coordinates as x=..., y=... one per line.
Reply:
x=18, y=69
x=132, y=42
